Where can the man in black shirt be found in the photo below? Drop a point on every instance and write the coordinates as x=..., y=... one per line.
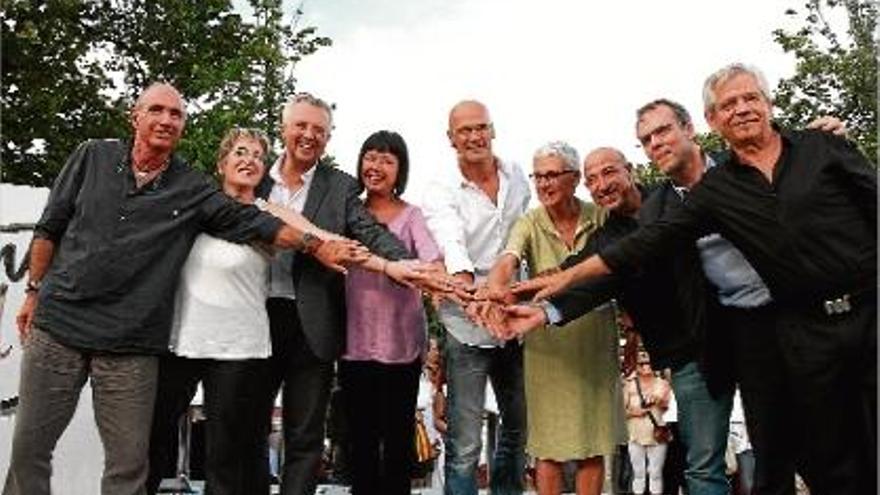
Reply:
x=802, y=207
x=670, y=304
x=104, y=265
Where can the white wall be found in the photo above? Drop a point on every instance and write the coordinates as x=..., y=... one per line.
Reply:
x=78, y=458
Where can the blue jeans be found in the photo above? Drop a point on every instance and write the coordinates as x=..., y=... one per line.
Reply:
x=467, y=369
x=703, y=422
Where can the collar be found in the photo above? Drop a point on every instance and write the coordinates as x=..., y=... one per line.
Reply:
x=504, y=169
x=585, y=219
x=788, y=136
x=708, y=163
x=275, y=172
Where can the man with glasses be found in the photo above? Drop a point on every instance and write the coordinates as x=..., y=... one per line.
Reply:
x=670, y=305
x=471, y=219
x=802, y=208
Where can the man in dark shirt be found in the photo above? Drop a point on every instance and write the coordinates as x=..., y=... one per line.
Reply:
x=802, y=207
x=104, y=265
x=670, y=304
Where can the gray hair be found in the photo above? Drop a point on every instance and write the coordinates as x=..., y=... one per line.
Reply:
x=724, y=74
x=563, y=150
x=311, y=100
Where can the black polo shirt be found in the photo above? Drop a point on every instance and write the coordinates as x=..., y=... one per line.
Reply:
x=811, y=233
x=119, y=249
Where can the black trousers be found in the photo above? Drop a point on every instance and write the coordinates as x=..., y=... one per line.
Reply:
x=832, y=364
x=380, y=402
x=767, y=396
x=236, y=455
x=306, y=380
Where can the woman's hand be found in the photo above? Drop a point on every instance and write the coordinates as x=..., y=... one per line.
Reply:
x=337, y=254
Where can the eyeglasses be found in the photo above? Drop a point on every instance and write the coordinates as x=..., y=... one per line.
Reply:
x=467, y=130
x=549, y=177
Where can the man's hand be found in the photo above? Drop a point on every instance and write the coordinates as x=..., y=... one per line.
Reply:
x=545, y=286
x=336, y=254
x=435, y=281
x=460, y=289
x=500, y=294
x=523, y=318
x=830, y=124
x=25, y=317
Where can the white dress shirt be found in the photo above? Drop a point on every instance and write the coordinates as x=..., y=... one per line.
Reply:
x=472, y=231
x=281, y=279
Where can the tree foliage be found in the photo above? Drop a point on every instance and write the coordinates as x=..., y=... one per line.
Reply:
x=73, y=68
x=836, y=72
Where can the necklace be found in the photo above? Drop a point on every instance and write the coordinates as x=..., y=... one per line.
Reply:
x=143, y=174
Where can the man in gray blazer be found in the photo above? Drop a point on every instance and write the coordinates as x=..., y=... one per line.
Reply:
x=307, y=301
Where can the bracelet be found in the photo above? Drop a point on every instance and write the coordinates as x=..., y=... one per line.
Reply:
x=310, y=243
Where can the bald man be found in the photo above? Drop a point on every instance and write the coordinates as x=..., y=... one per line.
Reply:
x=470, y=218
x=104, y=266
x=670, y=305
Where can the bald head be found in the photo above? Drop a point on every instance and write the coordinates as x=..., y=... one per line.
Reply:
x=467, y=107
x=605, y=154
x=609, y=178
x=158, y=117
x=162, y=89
x=471, y=133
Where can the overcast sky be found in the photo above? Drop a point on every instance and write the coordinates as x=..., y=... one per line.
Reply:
x=556, y=69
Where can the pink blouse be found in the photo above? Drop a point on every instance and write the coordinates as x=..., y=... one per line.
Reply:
x=386, y=321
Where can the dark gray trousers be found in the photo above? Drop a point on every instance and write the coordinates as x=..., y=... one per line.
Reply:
x=52, y=377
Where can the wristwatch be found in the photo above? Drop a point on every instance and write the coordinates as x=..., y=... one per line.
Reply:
x=33, y=286
x=310, y=243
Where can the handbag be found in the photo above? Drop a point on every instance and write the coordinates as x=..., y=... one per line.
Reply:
x=425, y=451
x=662, y=433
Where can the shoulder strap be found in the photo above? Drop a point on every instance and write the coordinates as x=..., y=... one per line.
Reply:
x=644, y=405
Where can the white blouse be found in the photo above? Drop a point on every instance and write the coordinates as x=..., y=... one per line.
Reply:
x=220, y=308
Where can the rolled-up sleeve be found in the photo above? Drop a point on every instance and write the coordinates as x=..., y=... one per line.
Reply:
x=520, y=238
x=61, y=204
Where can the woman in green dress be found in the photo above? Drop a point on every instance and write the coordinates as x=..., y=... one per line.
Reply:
x=573, y=397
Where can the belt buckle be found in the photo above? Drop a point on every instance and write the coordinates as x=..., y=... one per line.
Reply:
x=837, y=306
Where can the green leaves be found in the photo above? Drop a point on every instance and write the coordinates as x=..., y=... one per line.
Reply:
x=835, y=74
x=73, y=68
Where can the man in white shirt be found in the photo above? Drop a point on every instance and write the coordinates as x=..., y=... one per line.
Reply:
x=470, y=219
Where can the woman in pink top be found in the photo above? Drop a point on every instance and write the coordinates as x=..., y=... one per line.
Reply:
x=380, y=370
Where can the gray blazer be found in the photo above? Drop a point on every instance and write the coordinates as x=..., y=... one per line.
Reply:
x=333, y=205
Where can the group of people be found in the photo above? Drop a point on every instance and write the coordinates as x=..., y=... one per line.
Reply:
x=756, y=267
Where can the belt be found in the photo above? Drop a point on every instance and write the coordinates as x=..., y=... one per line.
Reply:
x=844, y=303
